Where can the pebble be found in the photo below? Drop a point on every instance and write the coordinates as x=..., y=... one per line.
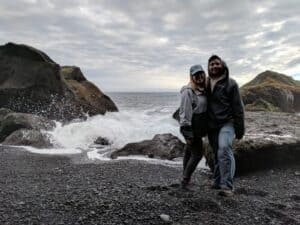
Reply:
x=297, y=173
x=165, y=217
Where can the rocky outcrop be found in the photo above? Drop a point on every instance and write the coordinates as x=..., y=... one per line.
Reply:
x=86, y=93
x=271, y=91
x=163, y=146
x=15, y=121
x=3, y=113
x=25, y=137
x=31, y=82
x=102, y=141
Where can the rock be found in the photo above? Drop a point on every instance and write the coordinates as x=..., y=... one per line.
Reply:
x=164, y=146
x=4, y=112
x=31, y=82
x=86, y=93
x=271, y=91
x=72, y=73
x=26, y=137
x=165, y=218
x=15, y=121
x=102, y=141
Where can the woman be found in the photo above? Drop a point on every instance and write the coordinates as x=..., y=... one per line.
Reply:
x=192, y=115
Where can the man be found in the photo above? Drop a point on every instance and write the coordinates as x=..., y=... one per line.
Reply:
x=225, y=113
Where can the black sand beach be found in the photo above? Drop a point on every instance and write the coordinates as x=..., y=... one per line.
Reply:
x=44, y=189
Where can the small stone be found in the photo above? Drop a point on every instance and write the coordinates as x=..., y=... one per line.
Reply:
x=165, y=217
x=297, y=173
x=102, y=141
x=151, y=155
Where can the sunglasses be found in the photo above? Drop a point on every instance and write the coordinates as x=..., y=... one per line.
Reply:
x=199, y=75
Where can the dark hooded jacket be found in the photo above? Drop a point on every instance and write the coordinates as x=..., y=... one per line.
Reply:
x=225, y=105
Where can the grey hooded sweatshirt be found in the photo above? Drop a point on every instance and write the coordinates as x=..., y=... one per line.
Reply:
x=192, y=112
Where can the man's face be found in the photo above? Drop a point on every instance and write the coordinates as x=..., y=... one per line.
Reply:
x=198, y=78
x=215, y=68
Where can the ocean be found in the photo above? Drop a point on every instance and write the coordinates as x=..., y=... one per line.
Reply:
x=140, y=117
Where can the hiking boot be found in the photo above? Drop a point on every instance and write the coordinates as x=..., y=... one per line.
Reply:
x=185, y=185
x=226, y=193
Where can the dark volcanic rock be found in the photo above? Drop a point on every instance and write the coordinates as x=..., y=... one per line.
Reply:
x=102, y=141
x=25, y=137
x=85, y=92
x=164, y=146
x=271, y=91
x=4, y=112
x=31, y=82
x=15, y=121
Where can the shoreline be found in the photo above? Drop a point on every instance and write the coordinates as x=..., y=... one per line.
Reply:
x=48, y=189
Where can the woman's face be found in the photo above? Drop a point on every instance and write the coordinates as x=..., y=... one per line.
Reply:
x=198, y=78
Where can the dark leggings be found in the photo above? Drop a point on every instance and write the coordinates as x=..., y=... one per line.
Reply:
x=193, y=155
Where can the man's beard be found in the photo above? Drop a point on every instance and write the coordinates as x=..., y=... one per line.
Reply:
x=217, y=75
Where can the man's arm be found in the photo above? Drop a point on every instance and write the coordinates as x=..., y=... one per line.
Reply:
x=238, y=112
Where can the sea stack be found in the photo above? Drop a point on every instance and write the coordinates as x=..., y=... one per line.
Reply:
x=31, y=82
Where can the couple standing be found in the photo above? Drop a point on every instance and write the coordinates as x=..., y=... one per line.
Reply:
x=211, y=106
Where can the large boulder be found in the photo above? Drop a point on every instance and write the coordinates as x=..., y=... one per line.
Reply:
x=163, y=146
x=4, y=112
x=31, y=82
x=86, y=92
x=15, y=121
x=271, y=91
x=25, y=137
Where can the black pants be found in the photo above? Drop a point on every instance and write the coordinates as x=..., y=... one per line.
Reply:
x=193, y=155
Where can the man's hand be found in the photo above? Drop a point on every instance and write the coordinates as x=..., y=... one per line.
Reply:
x=189, y=141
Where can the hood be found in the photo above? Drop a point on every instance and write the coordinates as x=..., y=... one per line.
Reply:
x=226, y=70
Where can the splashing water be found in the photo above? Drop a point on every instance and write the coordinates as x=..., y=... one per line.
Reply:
x=139, y=119
x=119, y=128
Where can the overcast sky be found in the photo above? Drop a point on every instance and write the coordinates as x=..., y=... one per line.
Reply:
x=150, y=45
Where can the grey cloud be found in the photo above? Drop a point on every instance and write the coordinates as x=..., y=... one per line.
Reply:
x=127, y=40
x=294, y=62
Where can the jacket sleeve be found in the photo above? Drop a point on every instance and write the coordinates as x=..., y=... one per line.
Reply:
x=238, y=112
x=185, y=114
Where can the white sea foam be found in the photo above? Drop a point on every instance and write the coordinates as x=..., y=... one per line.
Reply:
x=119, y=128
x=150, y=114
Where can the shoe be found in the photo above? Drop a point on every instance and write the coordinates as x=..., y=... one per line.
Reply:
x=185, y=185
x=226, y=193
